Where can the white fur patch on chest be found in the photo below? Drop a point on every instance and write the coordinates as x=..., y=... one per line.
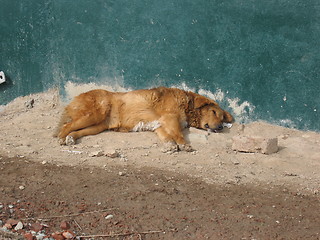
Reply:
x=146, y=126
x=184, y=124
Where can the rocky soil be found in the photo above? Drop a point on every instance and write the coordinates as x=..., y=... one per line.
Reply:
x=122, y=186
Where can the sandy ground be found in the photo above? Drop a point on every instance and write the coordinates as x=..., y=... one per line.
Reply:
x=214, y=169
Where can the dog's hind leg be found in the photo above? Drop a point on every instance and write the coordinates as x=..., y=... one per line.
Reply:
x=83, y=119
x=92, y=130
x=81, y=123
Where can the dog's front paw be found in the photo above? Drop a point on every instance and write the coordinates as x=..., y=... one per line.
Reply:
x=186, y=147
x=70, y=140
x=62, y=141
x=170, y=147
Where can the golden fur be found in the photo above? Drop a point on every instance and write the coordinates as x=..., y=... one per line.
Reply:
x=163, y=110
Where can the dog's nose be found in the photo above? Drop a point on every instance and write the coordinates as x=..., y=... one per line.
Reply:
x=206, y=125
x=220, y=127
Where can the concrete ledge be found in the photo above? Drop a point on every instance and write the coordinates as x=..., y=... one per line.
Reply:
x=193, y=135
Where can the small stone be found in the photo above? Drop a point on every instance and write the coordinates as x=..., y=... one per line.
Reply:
x=29, y=104
x=96, y=154
x=22, y=187
x=28, y=236
x=284, y=137
x=57, y=236
x=255, y=144
x=68, y=234
x=19, y=226
x=121, y=174
x=41, y=236
x=7, y=226
x=37, y=227
x=12, y=222
x=113, y=154
x=241, y=128
x=64, y=225
x=110, y=216
x=235, y=162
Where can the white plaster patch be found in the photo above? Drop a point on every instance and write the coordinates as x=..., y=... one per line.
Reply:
x=183, y=86
x=217, y=96
x=146, y=126
x=2, y=77
x=73, y=89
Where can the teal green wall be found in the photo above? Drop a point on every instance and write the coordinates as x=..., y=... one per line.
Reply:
x=265, y=52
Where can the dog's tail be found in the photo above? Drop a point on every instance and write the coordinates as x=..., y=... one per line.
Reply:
x=65, y=118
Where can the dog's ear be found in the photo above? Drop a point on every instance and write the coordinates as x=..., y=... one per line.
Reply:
x=227, y=117
x=200, y=101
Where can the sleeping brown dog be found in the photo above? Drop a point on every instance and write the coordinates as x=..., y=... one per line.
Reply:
x=163, y=110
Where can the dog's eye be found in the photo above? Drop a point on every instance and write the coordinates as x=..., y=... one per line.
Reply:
x=214, y=112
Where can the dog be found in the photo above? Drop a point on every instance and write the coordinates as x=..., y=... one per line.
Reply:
x=166, y=111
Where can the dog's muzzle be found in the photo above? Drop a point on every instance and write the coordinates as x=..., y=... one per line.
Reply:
x=215, y=130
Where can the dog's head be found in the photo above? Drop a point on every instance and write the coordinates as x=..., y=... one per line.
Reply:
x=212, y=116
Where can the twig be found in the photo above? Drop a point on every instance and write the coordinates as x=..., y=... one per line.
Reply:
x=77, y=224
x=121, y=234
x=69, y=215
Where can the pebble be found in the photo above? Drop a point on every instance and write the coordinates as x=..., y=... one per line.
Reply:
x=235, y=162
x=57, y=236
x=41, y=236
x=28, y=236
x=113, y=154
x=29, y=104
x=21, y=187
x=7, y=226
x=241, y=128
x=19, y=226
x=12, y=222
x=68, y=235
x=110, y=216
x=37, y=227
x=121, y=174
x=64, y=225
x=96, y=154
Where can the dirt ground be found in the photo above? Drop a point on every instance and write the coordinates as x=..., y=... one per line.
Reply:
x=122, y=186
